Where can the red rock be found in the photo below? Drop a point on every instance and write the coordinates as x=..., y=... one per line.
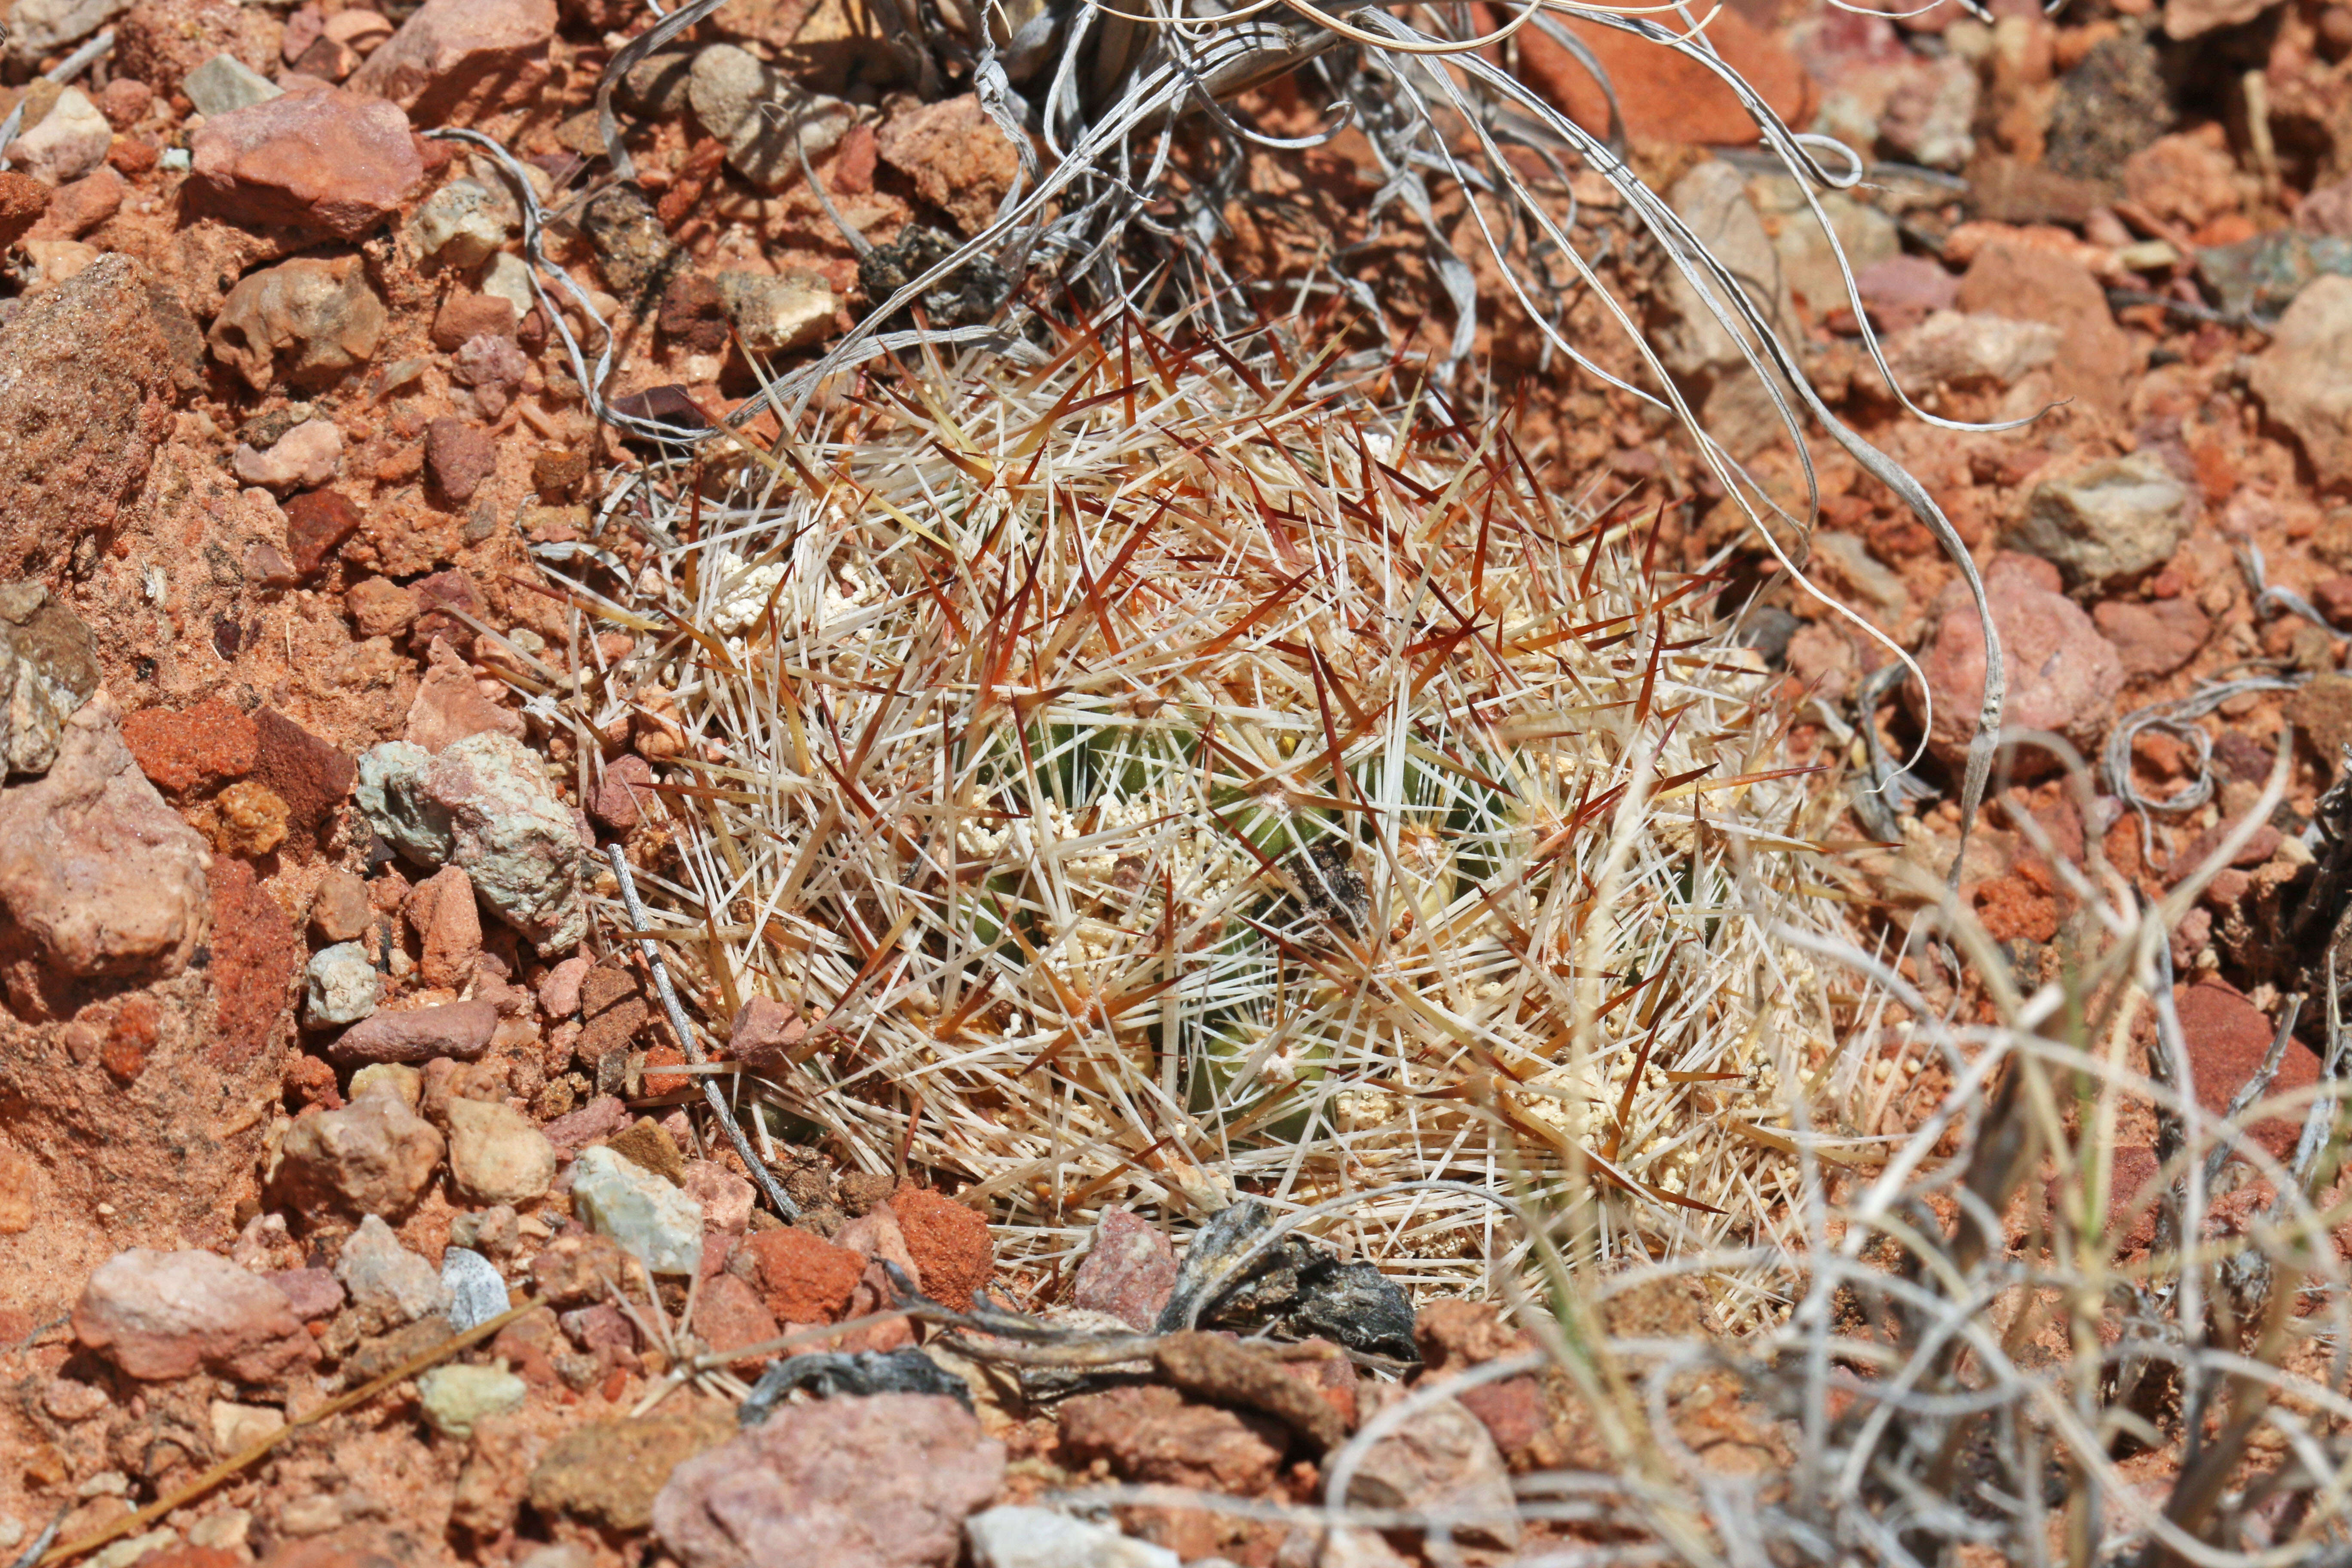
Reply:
x=1442, y=1457
x=132, y=156
x=573, y=1269
x=186, y=1556
x=600, y=1118
x=2094, y=356
x=2060, y=674
x=959, y=159
x=1151, y=1434
x=91, y=347
x=313, y=1294
x=1333, y=1377
x=125, y=102
x=2189, y=179
x=448, y=927
x=2227, y=1037
x=317, y=525
x=659, y=1083
x=1665, y=96
x=880, y=1482
x=257, y=956
x=202, y=747
x=160, y=1316
x=528, y=1346
x=2153, y=639
x=765, y=1034
x=1512, y=1411
x=728, y=1315
x=459, y=457
x=97, y=876
x=437, y=596
x=158, y=42
x=2256, y=849
x=1454, y=1333
x=950, y=1243
x=22, y=200
x=454, y=59
x=131, y=1039
x=461, y=1030
x=876, y=1238
x=804, y=1278
x=311, y=776
x=614, y=798
x=1904, y=291
x=2131, y=1169
x=602, y=1331
x=693, y=314
x=450, y=706
x=726, y=1200
x=464, y=316
x=81, y=206
x=331, y=163
x=1130, y=1272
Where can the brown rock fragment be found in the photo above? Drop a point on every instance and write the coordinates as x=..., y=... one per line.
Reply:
x=608, y=1472
x=339, y=911
x=317, y=525
x=958, y=159
x=248, y=818
x=459, y=1030
x=450, y=706
x=647, y=1144
x=459, y=457
x=89, y=349
x=765, y=1033
x=380, y=607
x=731, y=1316
x=375, y=1156
x=97, y=876
x=306, y=321
x=464, y=316
x=618, y=797
x=158, y=42
x=1154, y=1434
x=312, y=777
x=1213, y=1367
x=2095, y=356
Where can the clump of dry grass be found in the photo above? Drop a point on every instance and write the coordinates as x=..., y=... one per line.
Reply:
x=1160, y=770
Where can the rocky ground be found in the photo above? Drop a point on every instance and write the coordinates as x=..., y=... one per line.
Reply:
x=304, y=1063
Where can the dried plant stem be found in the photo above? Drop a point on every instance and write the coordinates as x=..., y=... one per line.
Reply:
x=752, y=1164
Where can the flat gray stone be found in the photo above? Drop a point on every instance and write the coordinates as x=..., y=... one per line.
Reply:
x=224, y=82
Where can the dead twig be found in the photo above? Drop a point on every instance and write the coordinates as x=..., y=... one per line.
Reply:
x=686, y=1041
